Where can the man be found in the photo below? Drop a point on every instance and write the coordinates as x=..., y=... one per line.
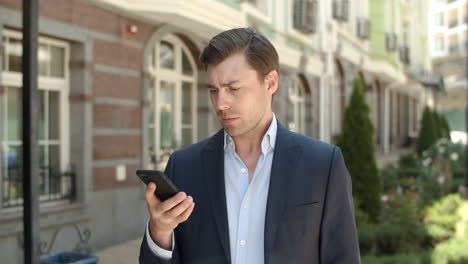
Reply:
x=263, y=194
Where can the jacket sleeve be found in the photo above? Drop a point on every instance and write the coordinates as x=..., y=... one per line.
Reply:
x=146, y=254
x=339, y=242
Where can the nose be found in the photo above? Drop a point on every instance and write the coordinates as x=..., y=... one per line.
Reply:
x=221, y=100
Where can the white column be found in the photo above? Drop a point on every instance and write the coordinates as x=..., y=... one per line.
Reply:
x=323, y=106
x=386, y=122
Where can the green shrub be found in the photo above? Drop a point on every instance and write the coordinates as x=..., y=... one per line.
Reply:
x=401, y=228
x=453, y=251
x=389, y=178
x=397, y=259
x=409, y=160
x=358, y=146
x=366, y=231
x=442, y=216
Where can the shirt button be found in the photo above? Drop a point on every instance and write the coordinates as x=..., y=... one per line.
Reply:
x=242, y=170
x=242, y=243
x=245, y=206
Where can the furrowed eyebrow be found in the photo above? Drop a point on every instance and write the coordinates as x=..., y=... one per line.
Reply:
x=211, y=86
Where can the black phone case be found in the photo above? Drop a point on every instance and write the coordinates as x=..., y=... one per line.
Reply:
x=165, y=188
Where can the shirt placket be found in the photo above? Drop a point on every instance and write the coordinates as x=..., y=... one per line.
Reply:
x=244, y=214
x=245, y=211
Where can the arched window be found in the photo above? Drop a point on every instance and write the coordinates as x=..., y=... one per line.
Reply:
x=172, y=94
x=296, y=106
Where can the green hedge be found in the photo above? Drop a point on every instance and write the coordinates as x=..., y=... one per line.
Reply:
x=453, y=251
x=423, y=258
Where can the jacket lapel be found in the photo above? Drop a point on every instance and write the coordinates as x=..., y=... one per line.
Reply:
x=285, y=156
x=213, y=163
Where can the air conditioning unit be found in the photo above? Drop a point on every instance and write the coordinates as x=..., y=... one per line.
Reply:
x=405, y=54
x=391, y=41
x=363, y=27
x=340, y=10
x=305, y=16
x=345, y=10
x=337, y=10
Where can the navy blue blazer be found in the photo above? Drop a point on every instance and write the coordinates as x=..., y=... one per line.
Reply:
x=309, y=216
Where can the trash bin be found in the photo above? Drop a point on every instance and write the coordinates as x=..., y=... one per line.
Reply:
x=69, y=257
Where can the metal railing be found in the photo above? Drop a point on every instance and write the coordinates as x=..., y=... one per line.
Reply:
x=53, y=186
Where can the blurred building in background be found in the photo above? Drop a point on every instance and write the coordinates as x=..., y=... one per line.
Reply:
x=120, y=88
x=448, y=50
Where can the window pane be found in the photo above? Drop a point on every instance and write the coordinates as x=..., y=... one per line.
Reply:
x=44, y=58
x=13, y=113
x=153, y=58
x=292, y=90
x=4, y=60
x=186, y=137
x=42, y=114
x=57, y=63
x=150, y=121
x=12, y=180
x=186, y=66
x=15, y=51
x=43, y=171
x=300, y=117
x=166, y=102
x=291, y=123
x=54, y=115
x=166, y=55
x=54, y=170
x=187, y=103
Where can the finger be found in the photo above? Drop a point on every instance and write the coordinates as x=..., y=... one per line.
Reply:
x=177, y=210
x=172, y=202
x=186, y=214
x=151, y=200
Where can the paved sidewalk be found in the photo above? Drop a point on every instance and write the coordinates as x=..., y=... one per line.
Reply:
x=125, y=253
x=391, y=158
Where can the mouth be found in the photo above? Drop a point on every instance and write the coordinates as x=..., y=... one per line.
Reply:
x=229, y=120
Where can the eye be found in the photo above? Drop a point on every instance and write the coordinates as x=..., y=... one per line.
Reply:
x=235, y=88
x=213, y=90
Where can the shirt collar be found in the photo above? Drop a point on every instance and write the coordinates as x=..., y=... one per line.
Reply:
x=268, y=141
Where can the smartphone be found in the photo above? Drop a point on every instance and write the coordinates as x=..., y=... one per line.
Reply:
x=165, y=188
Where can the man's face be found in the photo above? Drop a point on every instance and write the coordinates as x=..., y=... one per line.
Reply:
x=240, y=100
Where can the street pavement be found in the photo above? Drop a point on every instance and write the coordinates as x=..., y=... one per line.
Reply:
x=125, y=253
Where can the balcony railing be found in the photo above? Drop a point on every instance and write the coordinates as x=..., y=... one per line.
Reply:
x=454, y=48
x=404, y=55
x=391, y=41
x=53, y=186
x=453, y=23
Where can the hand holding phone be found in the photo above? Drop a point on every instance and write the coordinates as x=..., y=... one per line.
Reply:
x=167, y=206
x=165, y=187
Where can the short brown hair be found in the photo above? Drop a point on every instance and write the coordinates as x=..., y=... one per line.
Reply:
x=258, y=50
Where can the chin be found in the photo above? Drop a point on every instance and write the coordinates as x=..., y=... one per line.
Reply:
x=232, y=131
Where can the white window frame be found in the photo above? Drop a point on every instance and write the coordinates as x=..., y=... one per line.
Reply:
x=305, y=39
x=439, y=20
x=439, y=48
x=257, y=10
x=298, y=101
x=175, y=76
x=45, y=83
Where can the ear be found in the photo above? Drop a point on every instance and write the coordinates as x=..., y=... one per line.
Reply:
x=271, y=81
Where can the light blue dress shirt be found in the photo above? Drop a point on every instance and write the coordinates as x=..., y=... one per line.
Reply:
x=245, y=201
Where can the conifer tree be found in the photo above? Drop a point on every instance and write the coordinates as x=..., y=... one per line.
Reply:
x=358, y=147
x=428, y=134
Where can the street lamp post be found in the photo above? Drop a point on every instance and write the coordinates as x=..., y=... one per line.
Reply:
x=29, y=133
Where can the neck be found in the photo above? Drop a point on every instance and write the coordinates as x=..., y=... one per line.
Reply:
x=252, y=140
